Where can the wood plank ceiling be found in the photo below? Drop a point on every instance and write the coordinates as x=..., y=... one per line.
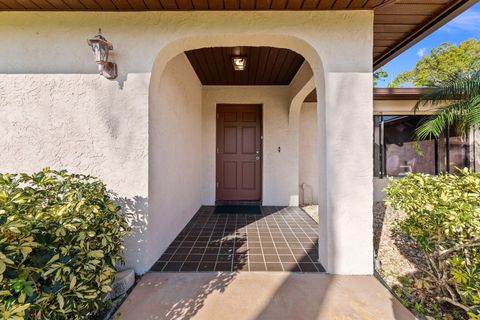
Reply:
x=397, y=23
x=265, y=65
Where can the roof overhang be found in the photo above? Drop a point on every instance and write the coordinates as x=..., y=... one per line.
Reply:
x=387, y=94
x=400, y=93
x=422, y=30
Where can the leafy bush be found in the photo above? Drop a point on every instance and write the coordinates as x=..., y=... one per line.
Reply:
x=60, y=239
x=443, y=216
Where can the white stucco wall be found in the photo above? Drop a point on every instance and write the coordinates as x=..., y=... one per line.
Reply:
x=64, y=122
x=175, y=149
x=84, y=124
x=308, y=154
x=398, y=107
x=56, y=111
x=346, y=217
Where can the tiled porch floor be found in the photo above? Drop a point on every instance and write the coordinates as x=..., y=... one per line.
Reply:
x=280, y=239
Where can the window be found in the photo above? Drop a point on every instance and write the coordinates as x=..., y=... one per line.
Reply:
x=395, y=150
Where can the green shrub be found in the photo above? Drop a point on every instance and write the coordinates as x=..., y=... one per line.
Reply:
x=60, y=239
x=443, y=216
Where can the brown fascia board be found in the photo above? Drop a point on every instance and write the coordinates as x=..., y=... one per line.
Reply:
x=425, y=30
x=388, y=94
x=400, y=93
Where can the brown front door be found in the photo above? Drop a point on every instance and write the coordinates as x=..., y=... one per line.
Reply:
x=239, y=152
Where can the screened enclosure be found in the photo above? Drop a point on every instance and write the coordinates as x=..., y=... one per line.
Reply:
x=396, y=152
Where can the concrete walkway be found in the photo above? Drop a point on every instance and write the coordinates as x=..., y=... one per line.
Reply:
x=259, y=295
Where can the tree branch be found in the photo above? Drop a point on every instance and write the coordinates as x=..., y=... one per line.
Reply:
x=455, y=283
x=453, y=302
x=457, y=247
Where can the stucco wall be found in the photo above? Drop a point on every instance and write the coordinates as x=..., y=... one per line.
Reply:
x=308, y=154
x=398, y=107
x=78, y=122
x=56, y=111
x=54, y=42
x=84, y=124
x=175, y=148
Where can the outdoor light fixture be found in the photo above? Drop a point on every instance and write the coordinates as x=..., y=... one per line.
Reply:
x=239, y=63
x=101, y=48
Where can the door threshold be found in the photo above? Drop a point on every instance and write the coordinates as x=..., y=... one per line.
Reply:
x=237, y=203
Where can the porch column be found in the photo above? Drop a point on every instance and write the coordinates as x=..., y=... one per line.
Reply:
x=345, y=111
x=300, y=87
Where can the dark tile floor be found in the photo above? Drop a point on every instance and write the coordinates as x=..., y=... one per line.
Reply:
x=280, y=239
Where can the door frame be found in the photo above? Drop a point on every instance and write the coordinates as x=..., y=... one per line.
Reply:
x=217, y=133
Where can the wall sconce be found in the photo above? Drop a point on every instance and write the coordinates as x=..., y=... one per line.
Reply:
x=101, y=48
x=239, y=63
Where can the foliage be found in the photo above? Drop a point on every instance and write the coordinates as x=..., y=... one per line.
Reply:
x=443, y=216
x=456, y=102
x=411, y=296
x=379, y=74
x=444, y=61
x=60, y=240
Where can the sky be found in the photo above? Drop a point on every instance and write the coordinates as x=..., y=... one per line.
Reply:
x=464, y=26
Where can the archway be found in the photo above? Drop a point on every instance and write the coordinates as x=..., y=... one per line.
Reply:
x=163, y=230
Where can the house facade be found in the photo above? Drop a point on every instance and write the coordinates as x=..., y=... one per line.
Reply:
x=153, y=133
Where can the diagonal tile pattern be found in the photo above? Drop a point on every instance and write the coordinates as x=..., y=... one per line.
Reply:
x=280, y=239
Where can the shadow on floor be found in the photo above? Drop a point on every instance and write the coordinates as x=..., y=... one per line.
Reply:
x=188, y=305
x=260, y=296
x=280, y=239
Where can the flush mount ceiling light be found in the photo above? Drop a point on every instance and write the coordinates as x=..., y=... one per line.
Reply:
x=239, y=63
x=101, y=47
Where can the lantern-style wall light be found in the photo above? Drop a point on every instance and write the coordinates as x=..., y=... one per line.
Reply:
x=101, y=48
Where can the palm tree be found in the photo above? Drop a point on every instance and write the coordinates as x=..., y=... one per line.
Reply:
x=457, y=104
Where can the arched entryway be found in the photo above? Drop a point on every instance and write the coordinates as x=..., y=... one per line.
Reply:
x=182, y=140
x=173, y=194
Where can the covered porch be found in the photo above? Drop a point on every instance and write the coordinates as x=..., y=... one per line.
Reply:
x=221, y=132
x=278, y=239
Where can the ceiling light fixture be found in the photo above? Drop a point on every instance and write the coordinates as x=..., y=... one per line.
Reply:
x=239, y=63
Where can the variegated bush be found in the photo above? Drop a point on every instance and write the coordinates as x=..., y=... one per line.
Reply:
x=60, y=240
x=443, y=216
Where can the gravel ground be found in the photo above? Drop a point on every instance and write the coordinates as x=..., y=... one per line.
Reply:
x=398, y=254
x=312, y=211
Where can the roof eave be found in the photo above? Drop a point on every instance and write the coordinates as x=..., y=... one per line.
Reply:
x=423, y=31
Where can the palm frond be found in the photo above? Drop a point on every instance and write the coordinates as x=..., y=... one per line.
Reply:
x=473, y=116
x=459, y=114
x=457, y=104
x=432, y=127
x=457, y=87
